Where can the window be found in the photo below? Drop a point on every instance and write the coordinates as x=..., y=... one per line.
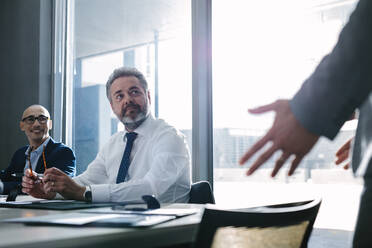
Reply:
x=154, y=37
x=262, y=51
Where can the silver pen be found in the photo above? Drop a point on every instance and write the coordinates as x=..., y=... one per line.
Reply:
x=22, y=174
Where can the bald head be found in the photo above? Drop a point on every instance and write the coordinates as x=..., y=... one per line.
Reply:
x=36, y=123
x=38, y=109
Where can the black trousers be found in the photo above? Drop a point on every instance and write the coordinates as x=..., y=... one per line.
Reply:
x=363, y=229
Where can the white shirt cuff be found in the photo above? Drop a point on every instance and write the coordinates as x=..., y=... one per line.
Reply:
x=100, y=193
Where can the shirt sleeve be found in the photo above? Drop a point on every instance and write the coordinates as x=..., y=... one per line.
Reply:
x=93, y=176
x=342, y=80
x=170, y=165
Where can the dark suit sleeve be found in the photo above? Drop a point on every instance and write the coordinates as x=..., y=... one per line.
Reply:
x=5, y=175
x=64, y=159
x=343, y=79
x=16, y=165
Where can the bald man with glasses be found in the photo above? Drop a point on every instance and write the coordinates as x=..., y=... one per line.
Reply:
x=41, y=152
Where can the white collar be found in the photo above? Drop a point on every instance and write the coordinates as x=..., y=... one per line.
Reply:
x=144, y=128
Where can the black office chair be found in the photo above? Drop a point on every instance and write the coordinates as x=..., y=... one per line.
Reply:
x=285, y=225
x=201, y=193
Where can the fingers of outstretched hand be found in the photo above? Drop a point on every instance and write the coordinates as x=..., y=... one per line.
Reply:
x=261, y=159
x=295, y=164
x=279, y=163
x=342, y=157
x=344, y=147
x=257, y=146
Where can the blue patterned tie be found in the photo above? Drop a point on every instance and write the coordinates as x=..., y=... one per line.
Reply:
x=125, y=161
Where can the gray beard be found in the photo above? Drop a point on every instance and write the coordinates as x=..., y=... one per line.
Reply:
x=131, y=124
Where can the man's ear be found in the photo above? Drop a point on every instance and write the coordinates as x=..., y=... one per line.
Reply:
x=50, y=124
x=149, y=96
x=22, y=126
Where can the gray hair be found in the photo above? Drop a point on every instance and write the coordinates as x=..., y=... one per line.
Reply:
x=125, y=72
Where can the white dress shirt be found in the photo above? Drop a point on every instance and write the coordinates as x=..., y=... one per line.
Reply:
x=160, y=166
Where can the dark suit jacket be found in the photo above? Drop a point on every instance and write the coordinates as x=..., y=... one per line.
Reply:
x=56, y=155
x=341, y=83
x=343, y=79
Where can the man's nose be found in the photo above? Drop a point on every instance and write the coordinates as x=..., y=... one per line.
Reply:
x=127, y=100
x=36, y=123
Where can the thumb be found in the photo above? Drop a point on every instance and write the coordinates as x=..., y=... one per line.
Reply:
x=53, y=170
x=263, y=108
x=31, y=174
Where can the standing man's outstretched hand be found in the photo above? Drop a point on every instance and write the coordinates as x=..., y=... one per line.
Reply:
x=286, y=134
x=343, y=154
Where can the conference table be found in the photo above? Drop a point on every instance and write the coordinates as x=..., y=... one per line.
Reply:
x=171, y=233
x=174, y=233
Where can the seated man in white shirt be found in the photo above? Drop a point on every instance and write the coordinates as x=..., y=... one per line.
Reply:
x=149, y=158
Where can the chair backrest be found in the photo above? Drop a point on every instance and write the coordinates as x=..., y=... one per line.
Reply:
x=201, y=193
x=277, y=223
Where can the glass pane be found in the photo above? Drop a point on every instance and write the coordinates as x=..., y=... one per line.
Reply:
x=262, y=51
x=153, y=36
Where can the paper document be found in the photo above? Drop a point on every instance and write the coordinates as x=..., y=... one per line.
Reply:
x=177, y=212
x=92, y=219
x=21, y=199
x=27, y=200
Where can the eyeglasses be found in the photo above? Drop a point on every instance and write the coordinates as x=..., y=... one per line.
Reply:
x=42, y=119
